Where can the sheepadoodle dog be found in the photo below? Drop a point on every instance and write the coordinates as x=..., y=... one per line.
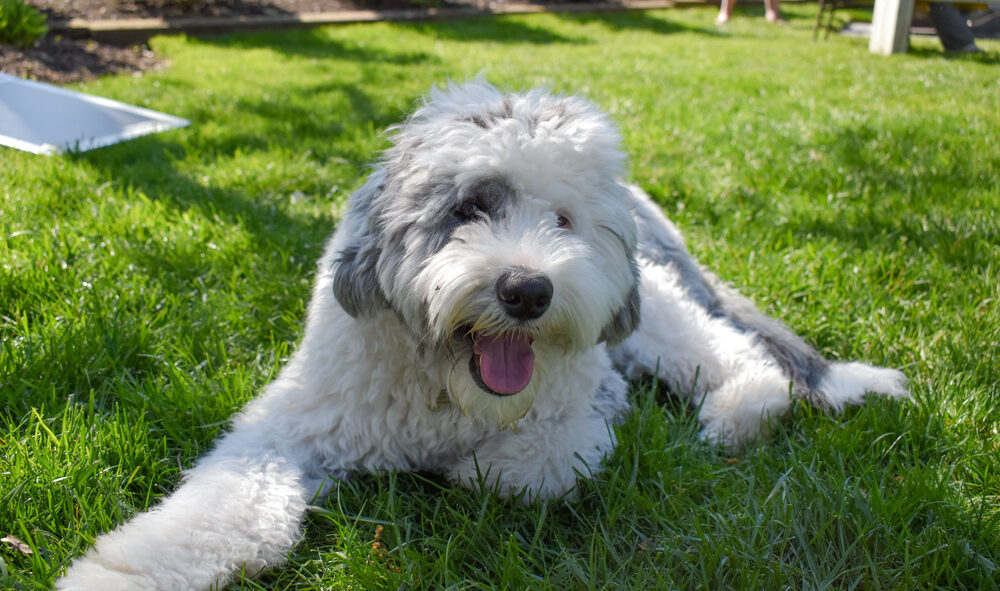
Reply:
x=485, y=296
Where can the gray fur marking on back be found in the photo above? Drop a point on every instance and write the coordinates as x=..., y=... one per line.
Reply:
x=798, y=359
x=661, y=243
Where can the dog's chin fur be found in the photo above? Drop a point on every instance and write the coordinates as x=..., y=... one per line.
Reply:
x=477, y=183
x=503, y=410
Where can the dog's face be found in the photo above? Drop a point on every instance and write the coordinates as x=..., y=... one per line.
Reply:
x=498, y=229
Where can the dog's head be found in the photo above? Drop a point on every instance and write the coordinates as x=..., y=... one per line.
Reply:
x=498, y=229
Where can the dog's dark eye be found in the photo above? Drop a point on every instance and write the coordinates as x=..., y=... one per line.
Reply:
x=562, y=221
x=470, y=210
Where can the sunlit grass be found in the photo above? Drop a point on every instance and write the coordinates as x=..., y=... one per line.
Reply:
x=149, y=289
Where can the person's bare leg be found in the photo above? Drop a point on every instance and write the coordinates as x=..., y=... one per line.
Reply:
x=725, y=11
x=771, y=11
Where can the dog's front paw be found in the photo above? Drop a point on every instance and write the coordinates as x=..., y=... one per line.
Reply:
x=544, y=459
x=510, y=478
x=740, y=409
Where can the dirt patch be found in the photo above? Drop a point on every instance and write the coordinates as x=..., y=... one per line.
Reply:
x=61, y=61
x=122, y=9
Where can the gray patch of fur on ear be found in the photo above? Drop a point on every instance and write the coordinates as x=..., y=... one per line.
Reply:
x=625, y=321
x=355, y=282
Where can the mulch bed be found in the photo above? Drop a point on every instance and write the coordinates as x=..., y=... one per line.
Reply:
x=61, y=61
x=122, y=9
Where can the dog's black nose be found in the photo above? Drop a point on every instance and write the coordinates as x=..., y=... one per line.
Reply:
x=523, y=294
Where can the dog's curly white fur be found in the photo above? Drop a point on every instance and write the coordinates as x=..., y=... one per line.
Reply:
x=491, y=273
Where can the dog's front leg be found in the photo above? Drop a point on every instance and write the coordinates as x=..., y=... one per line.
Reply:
x=238, y=510
x=544, y=459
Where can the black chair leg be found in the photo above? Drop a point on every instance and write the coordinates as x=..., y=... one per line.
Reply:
x=819, y=19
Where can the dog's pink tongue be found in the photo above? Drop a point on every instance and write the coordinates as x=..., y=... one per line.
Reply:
x=505, y=362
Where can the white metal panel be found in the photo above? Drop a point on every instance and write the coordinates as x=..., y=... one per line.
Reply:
x=46, y=119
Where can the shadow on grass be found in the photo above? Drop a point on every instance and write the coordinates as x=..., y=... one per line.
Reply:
x=637, y=21
x=317, y=43
x=273, y=234
x=503, y=29
x=155, y=284
x=884, y=188
x=927, y=177
x=507, y=29
x=153, y=280
x=297, y=125
x=153, y=168
x=930, y=51
x=955, y=243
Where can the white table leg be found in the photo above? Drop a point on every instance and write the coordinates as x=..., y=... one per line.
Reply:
x=891, y=26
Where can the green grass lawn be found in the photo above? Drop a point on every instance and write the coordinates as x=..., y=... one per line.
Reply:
x=149, y=289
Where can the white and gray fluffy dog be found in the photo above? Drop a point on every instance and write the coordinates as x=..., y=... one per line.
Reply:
x=495, y=271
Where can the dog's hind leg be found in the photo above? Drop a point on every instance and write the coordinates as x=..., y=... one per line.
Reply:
x=723, y=370
x=239, y=509
x=706, y=340
x=829, y=384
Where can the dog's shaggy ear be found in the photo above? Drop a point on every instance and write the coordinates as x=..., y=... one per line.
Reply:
x=355, y=281
x=624, y=321
x=620, y=223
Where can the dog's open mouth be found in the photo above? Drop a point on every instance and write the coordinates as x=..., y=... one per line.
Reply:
x=501, y=364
